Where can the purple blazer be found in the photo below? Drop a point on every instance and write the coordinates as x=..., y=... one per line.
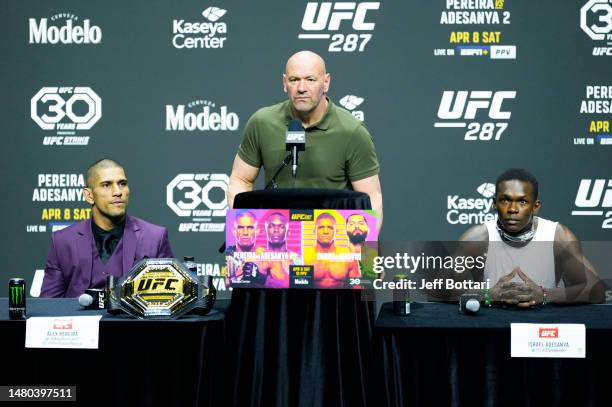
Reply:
x=70, y=259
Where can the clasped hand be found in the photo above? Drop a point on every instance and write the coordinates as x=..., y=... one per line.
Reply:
x=523, y=294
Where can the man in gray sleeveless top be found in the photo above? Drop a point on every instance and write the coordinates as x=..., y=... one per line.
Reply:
x=529, y=260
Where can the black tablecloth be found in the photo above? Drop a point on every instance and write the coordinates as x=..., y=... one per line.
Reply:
x=301, y=348
x=138, y=363
x=437, y=356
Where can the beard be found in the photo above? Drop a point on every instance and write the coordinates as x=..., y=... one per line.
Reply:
x=357, y=239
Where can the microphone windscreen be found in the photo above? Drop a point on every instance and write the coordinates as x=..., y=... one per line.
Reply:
x=295, y=125
x=85, y=300
x=472, y=305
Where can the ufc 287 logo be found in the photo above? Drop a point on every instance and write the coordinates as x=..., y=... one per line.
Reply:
x=323, y=21
x=66, y=108
x=594, y=198
x=460, y=109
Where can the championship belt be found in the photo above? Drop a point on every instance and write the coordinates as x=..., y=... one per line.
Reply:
x=160, y=289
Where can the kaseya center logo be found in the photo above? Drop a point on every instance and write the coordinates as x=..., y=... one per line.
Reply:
x=484, y=114
x=473, y=209
x=63, y=28
x=207, y=32
x=65, y=110
x=347, y=26
x=350, y=103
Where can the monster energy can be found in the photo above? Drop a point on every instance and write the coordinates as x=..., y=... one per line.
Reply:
x=17, y=299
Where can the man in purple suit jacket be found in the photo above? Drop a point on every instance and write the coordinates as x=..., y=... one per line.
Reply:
x=110, y=243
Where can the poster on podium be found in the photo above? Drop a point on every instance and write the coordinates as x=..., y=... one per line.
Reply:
x=281, y=248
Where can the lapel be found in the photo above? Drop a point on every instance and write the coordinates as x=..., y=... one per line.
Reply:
x=85, y=251
x=130, y=240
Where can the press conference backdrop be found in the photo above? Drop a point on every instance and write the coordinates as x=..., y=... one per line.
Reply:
x=453, y=92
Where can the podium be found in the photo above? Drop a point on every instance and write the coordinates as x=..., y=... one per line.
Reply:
x=302, y=198
x=298, y=347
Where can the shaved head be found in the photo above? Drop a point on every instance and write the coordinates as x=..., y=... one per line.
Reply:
x=306, y=59
x=306, y=82
x=92, y=171
x=107, y=192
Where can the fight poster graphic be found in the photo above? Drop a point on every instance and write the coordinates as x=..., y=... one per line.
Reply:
x=280, y=248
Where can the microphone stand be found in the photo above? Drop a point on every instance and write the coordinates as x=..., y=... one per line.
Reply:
x=273, y=184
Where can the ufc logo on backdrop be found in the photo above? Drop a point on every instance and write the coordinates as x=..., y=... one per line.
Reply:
x=467, y=108
x=462, y=107
x=594, y=198
x=324, y=20
x=319, y=16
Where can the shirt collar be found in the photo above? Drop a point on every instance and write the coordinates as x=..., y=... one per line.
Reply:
x=116, y=232
x=323, y=124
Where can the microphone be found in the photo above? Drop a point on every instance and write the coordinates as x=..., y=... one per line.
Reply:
x=85, y=300
x=472, y=305
x=469, y=304
x=93, y=298
x=295, y=141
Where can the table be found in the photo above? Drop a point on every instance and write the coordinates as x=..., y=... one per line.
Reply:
x=437, y=356
x=138, y=363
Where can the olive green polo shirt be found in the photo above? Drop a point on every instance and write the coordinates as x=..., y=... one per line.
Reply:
x=339, y=148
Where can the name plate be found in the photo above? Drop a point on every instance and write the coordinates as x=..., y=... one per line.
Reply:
x=78, y=332
x=547, y=340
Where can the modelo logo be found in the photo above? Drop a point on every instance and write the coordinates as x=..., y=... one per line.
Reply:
x=41, y=33
x=177, y=119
